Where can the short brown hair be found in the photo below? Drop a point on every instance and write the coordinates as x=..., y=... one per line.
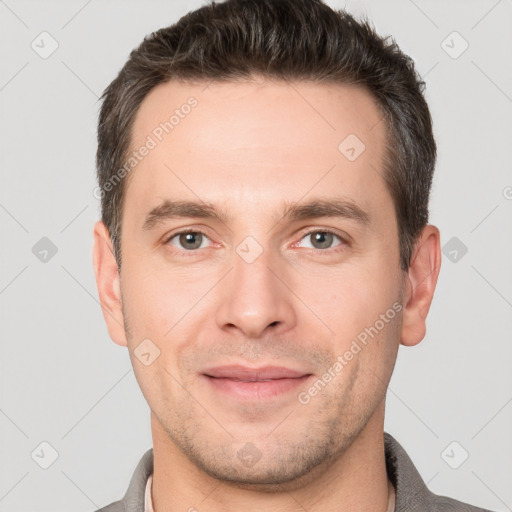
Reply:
x=283, y=40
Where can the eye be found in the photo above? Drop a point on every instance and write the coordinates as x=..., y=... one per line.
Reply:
x=188, y=240
x=322, y=239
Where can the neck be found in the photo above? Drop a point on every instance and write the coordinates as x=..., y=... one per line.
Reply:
x=357, y=480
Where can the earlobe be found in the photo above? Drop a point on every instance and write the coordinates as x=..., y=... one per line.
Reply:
x=108, y=283
x=420, y=285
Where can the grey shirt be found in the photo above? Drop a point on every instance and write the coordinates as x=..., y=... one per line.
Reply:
x=412, y=494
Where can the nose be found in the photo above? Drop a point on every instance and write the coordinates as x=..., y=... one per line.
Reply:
x=255, y=298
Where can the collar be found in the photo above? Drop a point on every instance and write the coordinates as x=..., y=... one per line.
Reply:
x=148, y=500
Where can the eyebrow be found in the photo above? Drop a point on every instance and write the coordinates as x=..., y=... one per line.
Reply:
x=335, y=208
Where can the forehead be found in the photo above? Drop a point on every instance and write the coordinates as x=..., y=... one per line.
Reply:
x=247, y=113
x=258, y=139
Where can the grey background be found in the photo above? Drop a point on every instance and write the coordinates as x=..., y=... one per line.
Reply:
x=64, y=382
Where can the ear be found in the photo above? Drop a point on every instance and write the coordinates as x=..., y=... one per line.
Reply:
x=420, y=283
x=108, y=283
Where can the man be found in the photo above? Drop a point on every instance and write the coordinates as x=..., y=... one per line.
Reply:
x=264, y=169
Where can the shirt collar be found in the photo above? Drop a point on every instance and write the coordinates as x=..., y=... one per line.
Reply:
x=148, y=500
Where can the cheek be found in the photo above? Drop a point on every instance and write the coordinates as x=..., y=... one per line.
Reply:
x=148, y=307
x=345, y=299
x=169, y=308
x=350, y=303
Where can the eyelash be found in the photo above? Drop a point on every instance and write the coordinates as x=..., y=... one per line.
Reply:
x=327, y=251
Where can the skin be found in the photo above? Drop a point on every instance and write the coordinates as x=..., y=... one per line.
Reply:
x=249, y=147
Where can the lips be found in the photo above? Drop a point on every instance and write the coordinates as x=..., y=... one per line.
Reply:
x=241, y=383
x=246, y=374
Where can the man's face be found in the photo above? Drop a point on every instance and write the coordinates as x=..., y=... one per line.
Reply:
x=255, y=288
